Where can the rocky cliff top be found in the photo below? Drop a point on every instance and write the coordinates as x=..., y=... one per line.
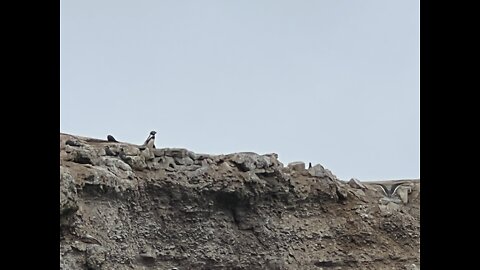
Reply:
x=123, y=206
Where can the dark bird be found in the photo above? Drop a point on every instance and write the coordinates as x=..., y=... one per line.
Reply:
x=309, y=165
x=110, y=138
x=150, y=141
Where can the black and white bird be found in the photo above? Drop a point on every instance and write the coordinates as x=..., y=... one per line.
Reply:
x=150, y=141
x=393, y=189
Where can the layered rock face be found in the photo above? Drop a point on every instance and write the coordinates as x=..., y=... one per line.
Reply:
x=128, y=207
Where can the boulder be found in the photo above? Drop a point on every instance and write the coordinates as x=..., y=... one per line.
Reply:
x=355, y=183
x=244, y=161
x=403, y=192
x=296, y=166
x=319, y=171
x=68, y=193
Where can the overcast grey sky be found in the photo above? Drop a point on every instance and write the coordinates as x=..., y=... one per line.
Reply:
x=334, y=82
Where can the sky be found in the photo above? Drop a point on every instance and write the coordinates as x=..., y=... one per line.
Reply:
x=334, y=82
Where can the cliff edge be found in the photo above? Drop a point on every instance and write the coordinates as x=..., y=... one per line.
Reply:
x=123, y=207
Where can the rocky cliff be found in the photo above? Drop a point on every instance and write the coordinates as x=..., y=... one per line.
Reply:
x=127, y=207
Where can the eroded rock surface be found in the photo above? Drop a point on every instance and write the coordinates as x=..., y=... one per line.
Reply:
x=126, y=208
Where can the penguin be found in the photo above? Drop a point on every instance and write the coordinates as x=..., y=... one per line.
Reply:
x=309, y=165
x=110, y=138
x=150, y=141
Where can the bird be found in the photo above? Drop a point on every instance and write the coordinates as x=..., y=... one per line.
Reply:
x=150, y=141
x=309, y=165
x=393, y=189
x=110, y=138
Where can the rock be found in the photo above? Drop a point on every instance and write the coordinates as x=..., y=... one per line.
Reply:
x=355, y=183
x=136, y=162
x=95, y=257
x=148, y=154
x=158, y=152
x=403, y=192
x=176, y=152
x=359, y=193
x=75, y=143
x=412, y=267
x=244, y=161
x=80, y=246
x=166, y=162
x=148, y=255
x=68, y=193
x=276, y=264
x=319, y=171
x=296, y=166
x=116, y=164
x=388, y=209
x=112, y=151
x=186, y=161
x=84, y=156
x=274, y=160
x=130, y=150
x=191, y=155
x=263, y=162
x=342, y=192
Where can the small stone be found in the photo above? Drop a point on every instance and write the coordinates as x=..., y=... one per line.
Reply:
x=95, y=257
x=73, y=143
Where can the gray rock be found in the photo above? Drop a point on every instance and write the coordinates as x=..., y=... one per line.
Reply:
x=116, y=164
x=176, y=152
x=130, y=150
x=319, y=171
x=85, y=156
x=148, y=153
x=263, y=162
x=136, y=162
x=296, y=166
x=112, y=151
x=95, y=257
x=165, y=162
x=68, y=193
x=389, y=208
x=403, y=192
x=75, y=143
x=148, y=255
x=244, y=161
x=342, y=192
x=186, y=161
x=158, y=152
x=192, y=155
x=355, y=183
x=412, y=267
